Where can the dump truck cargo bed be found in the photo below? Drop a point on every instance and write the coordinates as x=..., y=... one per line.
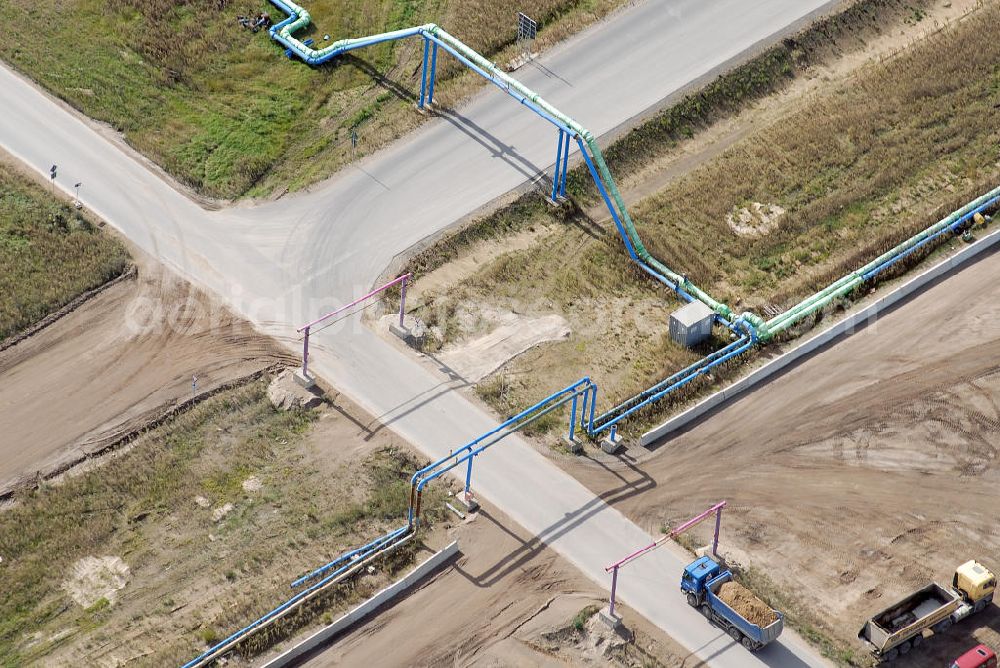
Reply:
x=758, y=633
x=906, y=618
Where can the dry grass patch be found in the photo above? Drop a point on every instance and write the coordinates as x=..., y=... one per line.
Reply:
x=861, y=167
x=49, y=253
x=193, y=574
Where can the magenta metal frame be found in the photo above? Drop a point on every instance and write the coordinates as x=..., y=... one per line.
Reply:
x=304, y=329
x=613, y=568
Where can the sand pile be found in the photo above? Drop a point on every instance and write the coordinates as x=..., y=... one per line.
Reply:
x=742, y=600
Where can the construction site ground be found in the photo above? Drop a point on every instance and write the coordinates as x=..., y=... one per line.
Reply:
x=855, y=477
x=860, y=475
x=119, y=361
x=505, y=601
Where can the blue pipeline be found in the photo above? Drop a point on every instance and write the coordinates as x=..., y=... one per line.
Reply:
x=353, y=555
x=423, y=72
x=612, y=417
x=467, y=453
x=954, y=227
x=210, y=653
x=614, y=214
x=621, y=229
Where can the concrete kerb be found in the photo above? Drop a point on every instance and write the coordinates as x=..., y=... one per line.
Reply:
x=848, y=324
x=317, y=639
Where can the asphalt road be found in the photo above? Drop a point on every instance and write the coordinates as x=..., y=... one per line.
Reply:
x=283, y=263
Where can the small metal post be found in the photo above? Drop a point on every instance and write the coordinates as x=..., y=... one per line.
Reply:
x=715, y=541
x=434, y=60
x=423, y=73
x=614, y=586
x=305, y=354
x=572, y=419
x=555, y=177
x=402, y=301
x=565, y=163
x=614, y=433
x=468, y=479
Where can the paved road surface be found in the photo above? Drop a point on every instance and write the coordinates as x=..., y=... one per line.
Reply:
x=284, y=262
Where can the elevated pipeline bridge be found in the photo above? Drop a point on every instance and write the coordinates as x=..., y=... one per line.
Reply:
x=570, y=131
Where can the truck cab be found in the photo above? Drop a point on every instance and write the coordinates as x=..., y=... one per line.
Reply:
x=703, y=582
x=975, y=583
x=696, y=575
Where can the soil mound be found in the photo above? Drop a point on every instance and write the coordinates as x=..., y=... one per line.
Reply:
x=743, y=601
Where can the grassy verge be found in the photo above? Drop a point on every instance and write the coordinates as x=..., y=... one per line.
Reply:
x=581, y=618
x=856, y=169
x=213, y=514
x=49, y=253
x=222, y=109
x=859, y=168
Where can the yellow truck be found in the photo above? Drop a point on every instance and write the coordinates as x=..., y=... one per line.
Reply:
x=900, y=627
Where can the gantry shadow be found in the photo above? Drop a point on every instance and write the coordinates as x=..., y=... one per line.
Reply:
x=534, y=546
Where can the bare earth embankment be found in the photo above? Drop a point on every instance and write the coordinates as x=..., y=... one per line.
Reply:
x=506, y=601
x=119, y=361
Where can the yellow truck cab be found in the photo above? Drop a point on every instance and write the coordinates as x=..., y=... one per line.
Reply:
x=976, y=583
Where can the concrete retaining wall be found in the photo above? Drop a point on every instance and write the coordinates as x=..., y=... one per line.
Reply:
x=365, y=609
x=846, y=326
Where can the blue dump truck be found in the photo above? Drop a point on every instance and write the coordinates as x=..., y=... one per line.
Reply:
x=703, y=582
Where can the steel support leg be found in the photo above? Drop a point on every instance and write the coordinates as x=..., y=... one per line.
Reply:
x=565, y=163
x=556, y=177
x=593, y=407
x=572, y=419
x=423, y=73
x=402, y=301
x=430, y=86
x=468, y=477
x=305, y=354
x=614, y=586
x=715, y=540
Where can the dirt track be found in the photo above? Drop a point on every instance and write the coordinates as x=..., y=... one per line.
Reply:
x=113, y=365
x=863, y=472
